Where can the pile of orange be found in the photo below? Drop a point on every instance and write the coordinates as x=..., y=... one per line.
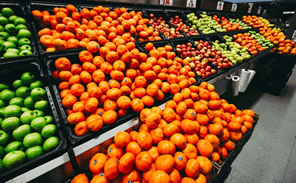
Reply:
x=253, y=21
x=176, y=144
x=246, y=41
x=69, y=29
x=99, y=89
x=145, y=33
x=278, y=38
x=229, y=26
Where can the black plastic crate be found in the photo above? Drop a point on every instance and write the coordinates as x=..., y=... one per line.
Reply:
x=49, y=61
x=285, y=60
x=213, y=38
x=46, y=6
x=76, y=140
x=14, y=70
x=161, y=44
x=19, y=10
x=160, y=13
x=33, y=66
x=239, y=16
x=223, y=167
x=173, y=13
x=182, y=41
x=280, y=73
x=228, y=16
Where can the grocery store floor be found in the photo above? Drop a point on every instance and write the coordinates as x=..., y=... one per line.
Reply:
x=270, y=154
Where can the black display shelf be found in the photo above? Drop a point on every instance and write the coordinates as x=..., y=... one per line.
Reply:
x=46, y=6
x=14, y=70
x=19, y=10
x=173, y=13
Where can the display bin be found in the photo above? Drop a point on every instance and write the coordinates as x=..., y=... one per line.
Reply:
x=173, y=13
x=280, y=73
x=228, y=16
x=76, y=140
x=223, y=167
x=219, y=170
x=19, y=10
x=213, y=38
x=273, y=87
x=48, y=6
x=284, y=59
x=239, y=16
x=161, y=44
x=14, y=70
x=192, y=40
x=112, y=7
x=160, y=13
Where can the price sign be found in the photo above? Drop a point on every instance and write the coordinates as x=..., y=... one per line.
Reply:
x=294, y=34
x=234, y=7
x=191, y=3
x=166, y=2
x=220, y=5
x=259, y=10
x=264, y=11
x=250, y=7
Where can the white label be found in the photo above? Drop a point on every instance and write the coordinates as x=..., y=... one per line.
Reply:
x=220, y=5
x=264, y=11
x=234, y=7
x=166, y=2
x=294, y=34
x=191, y=3
x=259, y=10
x=250, y=7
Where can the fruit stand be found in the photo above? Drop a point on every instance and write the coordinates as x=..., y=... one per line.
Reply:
x=87, y=83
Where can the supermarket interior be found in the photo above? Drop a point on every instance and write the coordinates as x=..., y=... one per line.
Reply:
x=147, y=91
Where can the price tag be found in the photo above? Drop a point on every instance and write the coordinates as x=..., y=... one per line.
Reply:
x=234, y=7
x=259, y=10
x=220, y=5
x=191, y=3
x=264, y=11
x=166, y=2
x=250, y=7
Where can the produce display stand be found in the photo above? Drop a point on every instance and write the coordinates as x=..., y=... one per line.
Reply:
x=71, y=145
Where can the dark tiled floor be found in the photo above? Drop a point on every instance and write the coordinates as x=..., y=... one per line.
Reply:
x=270, y=154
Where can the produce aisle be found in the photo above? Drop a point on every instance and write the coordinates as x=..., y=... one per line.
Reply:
x=108, y=93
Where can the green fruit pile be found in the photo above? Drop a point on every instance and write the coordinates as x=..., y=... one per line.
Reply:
x=205, y=23
x=231, y=50
x=14, y=35
x=26, y=132
x=261, y=40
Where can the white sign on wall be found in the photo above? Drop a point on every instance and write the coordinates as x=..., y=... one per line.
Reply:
x=294, y=34
x=264, y=11
x=259, y=10
x=166, y=2
x=234, y=7
x=250, y=7
x=191, y=3
x=220, y=5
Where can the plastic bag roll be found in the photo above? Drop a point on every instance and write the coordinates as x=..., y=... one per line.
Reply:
x=228, y=82
x=235, y=85
x=229, y=77
x=251, y=77
x=244, y=79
